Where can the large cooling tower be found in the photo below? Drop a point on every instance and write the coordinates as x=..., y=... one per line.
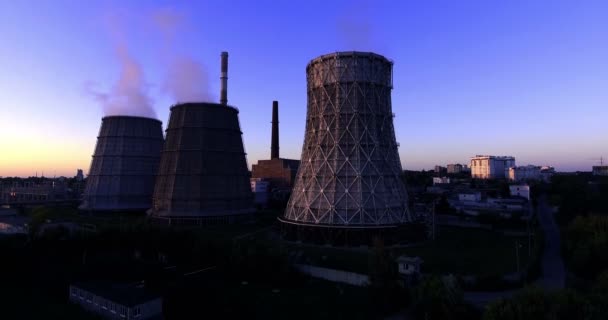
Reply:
x=349, y=176
x=124, y=165
x=203, y=176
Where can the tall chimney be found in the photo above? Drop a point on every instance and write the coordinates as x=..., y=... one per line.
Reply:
x=224, y=79
x=274, y=148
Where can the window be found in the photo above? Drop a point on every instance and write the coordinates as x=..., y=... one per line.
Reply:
x=136, y=312
x=104, y=304
x=74, y=291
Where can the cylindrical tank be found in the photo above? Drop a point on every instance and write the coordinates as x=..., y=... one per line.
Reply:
x=203, y=170
x=350, y=171
x=124, y=164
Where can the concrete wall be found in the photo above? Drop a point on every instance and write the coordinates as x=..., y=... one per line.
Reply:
x=110, y=310
x=333, y=275
x=203, y=169
x=148, y=310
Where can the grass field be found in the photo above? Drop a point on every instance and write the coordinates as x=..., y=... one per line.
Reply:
x=471, y=251
x=465, y=251
x=455, y=250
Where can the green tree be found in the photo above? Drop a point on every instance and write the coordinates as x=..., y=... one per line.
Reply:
x=585, y=245
x=439, y=298
x=535, y=304
x=383, y=277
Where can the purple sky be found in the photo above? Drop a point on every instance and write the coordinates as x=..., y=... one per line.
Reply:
x=521, y=78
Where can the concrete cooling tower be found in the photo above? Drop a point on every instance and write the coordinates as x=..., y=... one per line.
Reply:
x=203, y=176
x=348, y=187
x=124, y=165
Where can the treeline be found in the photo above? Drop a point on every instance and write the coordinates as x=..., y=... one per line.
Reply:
x=585, y=245
x=579, y=195
x=536, y=304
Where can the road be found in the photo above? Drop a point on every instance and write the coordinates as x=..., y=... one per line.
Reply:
x=553, y=270
x=553, y=274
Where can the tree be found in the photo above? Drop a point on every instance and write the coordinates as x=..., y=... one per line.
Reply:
x=439, y=298
x=535, y=304
x=585, y=245
x=383, y=276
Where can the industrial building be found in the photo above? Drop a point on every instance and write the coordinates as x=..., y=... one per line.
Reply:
x=348, y=188
x=491, y=167
x=280, y=173
x=260, y=189
x=440, y=171
x=600, y=170
x=34, y=191
x=124, y=165
x=441, y=180
x=116, y=301
x=454, y=168
x=523, y=173
x=203, y=176
x=520, y=191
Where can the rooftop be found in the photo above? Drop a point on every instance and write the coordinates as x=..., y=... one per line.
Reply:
x=125, y=294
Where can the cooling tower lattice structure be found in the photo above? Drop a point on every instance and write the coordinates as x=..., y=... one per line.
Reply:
x=124, y=165
x=203, y=176
x=350, y=172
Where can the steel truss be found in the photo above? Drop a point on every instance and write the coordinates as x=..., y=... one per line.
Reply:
x=350, y=171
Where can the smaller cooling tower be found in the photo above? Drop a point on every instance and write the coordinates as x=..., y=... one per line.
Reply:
x=203, y=172
x=123, y=169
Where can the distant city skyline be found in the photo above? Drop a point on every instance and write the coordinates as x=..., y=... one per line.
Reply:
x=520, y=79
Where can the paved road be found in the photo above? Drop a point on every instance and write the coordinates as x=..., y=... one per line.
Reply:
x=553, y=269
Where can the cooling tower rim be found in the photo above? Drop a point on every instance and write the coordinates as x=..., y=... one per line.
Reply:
x=348, y=54
x=204, y=104
x=130, y=117
x=343, y=226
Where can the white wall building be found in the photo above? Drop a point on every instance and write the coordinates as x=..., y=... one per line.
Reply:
x=258, y=185
x=260, y=188
x=528, y=172
x=491, y=167
x=409, y=266
x=472, y=196
x=520, y=191
x=442, y=180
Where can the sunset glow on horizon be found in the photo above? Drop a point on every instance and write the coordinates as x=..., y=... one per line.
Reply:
x=521, y=79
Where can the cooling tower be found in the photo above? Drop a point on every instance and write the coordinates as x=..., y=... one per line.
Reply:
x=203, y=176
x=350, y=173
x=124, y=166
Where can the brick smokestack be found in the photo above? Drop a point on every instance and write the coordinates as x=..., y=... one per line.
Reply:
x=224, y=79
x=274, y=148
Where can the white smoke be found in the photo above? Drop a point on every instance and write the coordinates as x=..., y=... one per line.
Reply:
x=186, y=79
x=356, y=30
x=129, y=95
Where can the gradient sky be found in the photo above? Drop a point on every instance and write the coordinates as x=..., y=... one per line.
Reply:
x=521, y=78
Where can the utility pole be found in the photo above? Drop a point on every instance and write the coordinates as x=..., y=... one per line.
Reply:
x=517, y=255
x=433, y=220
x=529, y=240
x=434, y=229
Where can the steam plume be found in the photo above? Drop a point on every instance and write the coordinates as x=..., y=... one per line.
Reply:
x=129, y=95
x=186, y=79
x=356, y=30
